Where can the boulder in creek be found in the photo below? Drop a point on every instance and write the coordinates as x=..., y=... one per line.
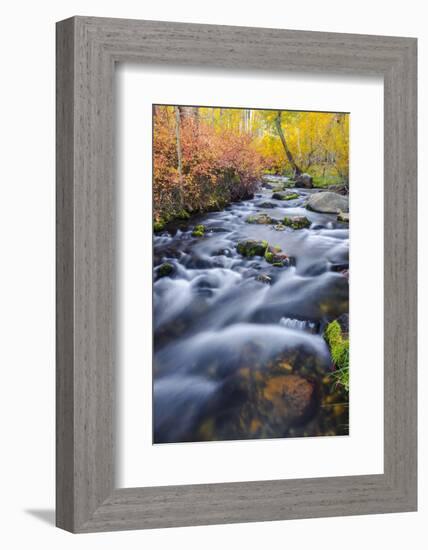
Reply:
x=274, y=256
x=340, y=188
x=267, y=185
x=304, y=181
x=250, y=248
x=165, y=270
x=258, y=403
x=343, y=217
x=288, y=196
x=218, y=230
x=267, y=204
x=279, y=187
x=327, y=202
x=262, y=219
x=291, y=396
x=263, y=278
x=296, y=222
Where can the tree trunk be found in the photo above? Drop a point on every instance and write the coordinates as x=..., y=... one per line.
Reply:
x=188, y=112
x=179, y=154
x=284, y=144
x=242, y=122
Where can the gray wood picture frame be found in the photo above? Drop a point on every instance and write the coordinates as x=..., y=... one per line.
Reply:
x=87, y=50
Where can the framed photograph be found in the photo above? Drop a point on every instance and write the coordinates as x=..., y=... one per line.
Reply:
x=236, y=274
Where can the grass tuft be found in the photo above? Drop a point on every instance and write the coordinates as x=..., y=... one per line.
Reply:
x=339, y=351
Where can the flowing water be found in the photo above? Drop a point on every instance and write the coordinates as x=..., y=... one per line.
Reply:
x=238, y=346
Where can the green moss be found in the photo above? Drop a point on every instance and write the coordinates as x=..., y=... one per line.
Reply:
x=339, y=351
x=240, y=247
x=251, y=248
x=285, y=196
x=198, y=231
x=165, y=269
x=183, y=215
x=269, y=257
x=333, y=334
x=158, y=226
x=326, y=181
x=296, y=222
x=274, y=256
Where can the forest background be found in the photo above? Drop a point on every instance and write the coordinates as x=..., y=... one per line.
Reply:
x=206, y=157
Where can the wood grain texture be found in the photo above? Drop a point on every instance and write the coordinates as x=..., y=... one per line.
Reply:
x=87, y=50
x=64, y=276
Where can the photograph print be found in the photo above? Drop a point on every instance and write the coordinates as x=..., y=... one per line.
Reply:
x=250, y=274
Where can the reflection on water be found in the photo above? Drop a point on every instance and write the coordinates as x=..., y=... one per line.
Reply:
x=238, y=351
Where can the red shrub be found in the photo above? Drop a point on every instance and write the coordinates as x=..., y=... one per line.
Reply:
x=217, y=166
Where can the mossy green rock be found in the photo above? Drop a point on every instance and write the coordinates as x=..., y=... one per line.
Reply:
x=262, y=219
x=274, y=256
x=304, y=180
x=165, y=269
x=269, y=256
x=251, y=248
x=198, y=231
x=285, y=196
x=296, y=222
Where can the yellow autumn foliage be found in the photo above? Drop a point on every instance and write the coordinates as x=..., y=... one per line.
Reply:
x=319, y=141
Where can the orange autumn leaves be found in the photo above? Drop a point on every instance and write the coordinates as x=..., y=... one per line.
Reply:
x=217, y=166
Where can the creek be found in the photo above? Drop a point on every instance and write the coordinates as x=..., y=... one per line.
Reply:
x=238, y=345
